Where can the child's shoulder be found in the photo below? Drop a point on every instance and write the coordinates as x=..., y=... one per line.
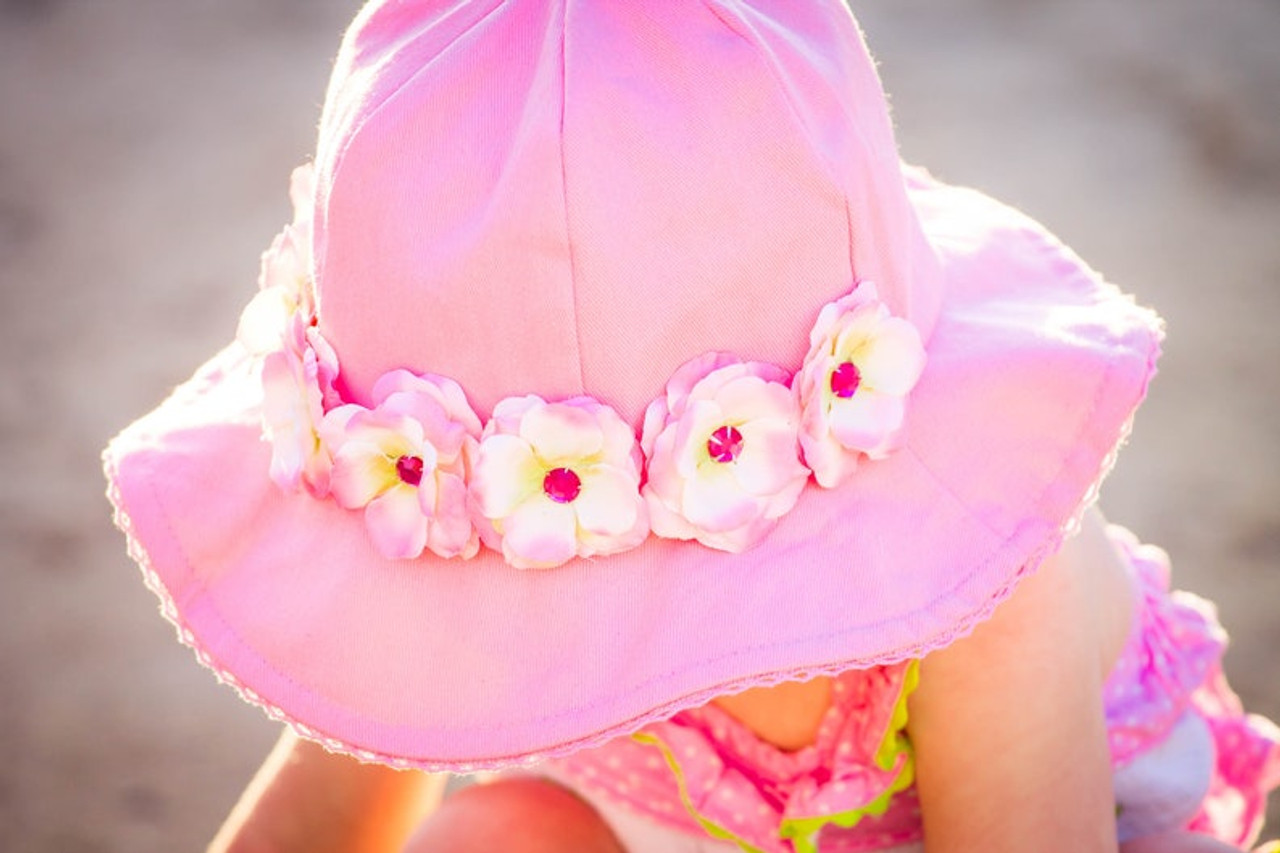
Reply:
x=1017, y=705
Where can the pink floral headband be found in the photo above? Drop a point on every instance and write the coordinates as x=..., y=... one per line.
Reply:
x=720, y=458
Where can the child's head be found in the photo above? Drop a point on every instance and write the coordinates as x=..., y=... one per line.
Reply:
x=613, y=362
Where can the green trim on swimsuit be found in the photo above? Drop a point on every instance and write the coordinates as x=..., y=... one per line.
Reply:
x=803, y=831
x=712, y=829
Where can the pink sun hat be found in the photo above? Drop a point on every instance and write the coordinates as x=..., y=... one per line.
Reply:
x=613, y=361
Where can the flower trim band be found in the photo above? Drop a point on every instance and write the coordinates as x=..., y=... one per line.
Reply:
x=721, y=456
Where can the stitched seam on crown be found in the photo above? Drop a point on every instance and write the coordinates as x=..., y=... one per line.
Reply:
x=564, y=195
x=848, y=224
x=833, y=174
x=340, y=156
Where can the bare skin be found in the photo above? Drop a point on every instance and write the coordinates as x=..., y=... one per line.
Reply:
x=1035, y=669
x=1011, y=714
x=305, y=798
x=527, y=815
x=787, y=715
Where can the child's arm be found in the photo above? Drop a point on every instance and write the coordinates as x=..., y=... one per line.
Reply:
x=1008, y=723
x=307, y=799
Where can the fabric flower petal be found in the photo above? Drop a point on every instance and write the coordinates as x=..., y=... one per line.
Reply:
x=451, y=533
x=505, y=475
x=891, y=362
x=754, y=396
x=429, y=389
x=712, y=500
x=664, y=520
x=852, y=388
x=690, y=434
x=508, y=413
x=609, y=501
x=361, y=472
x=540, y=534
x=396, y=524
x=291, y=414
x=664, y=476
x=302, y=192
x=263, y=320
x=559, y=432
x=855, y=328
x=655, y=419
x=694, y=371
x=769, y=460
x=724, y=455
x=830, y=462
x=864, y=420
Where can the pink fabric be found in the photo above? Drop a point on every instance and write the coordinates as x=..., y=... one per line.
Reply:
x=1172, y=664
x=559, y=198
x=586, y=149
x=1169, y=666
x=1174, y=649
x=747, y=786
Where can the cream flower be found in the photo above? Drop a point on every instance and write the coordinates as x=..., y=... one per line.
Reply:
x=284, y=282
x=297, y=379
x=557, y=480
x=861, y=365
x=723, y=452
x=298, y=365
x=405, y=463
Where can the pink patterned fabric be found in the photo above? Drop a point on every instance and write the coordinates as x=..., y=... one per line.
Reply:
x=738, y=782
x=1174, y=647
x=1170, y=665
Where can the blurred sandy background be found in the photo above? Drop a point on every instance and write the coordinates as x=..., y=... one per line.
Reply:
x=145, y=147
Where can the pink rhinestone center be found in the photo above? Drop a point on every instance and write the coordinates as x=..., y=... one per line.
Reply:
x=561, y=485
x=725, y=444
x=410, y=469
x=845, y=380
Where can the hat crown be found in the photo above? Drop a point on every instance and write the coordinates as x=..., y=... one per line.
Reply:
x=567, y=198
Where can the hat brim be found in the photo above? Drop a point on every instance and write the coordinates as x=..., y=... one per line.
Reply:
x=1035, y=368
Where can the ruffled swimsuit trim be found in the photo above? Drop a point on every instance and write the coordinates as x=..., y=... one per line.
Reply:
x=1172, y=666
x=852, y=790
x=737, y=788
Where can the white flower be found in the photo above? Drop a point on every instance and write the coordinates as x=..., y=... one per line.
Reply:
x=405, y=463
x=861, y=365
x=557, y=480
x=723, y=452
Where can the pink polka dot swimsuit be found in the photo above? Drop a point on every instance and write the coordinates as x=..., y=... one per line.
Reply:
x=1183, y=752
